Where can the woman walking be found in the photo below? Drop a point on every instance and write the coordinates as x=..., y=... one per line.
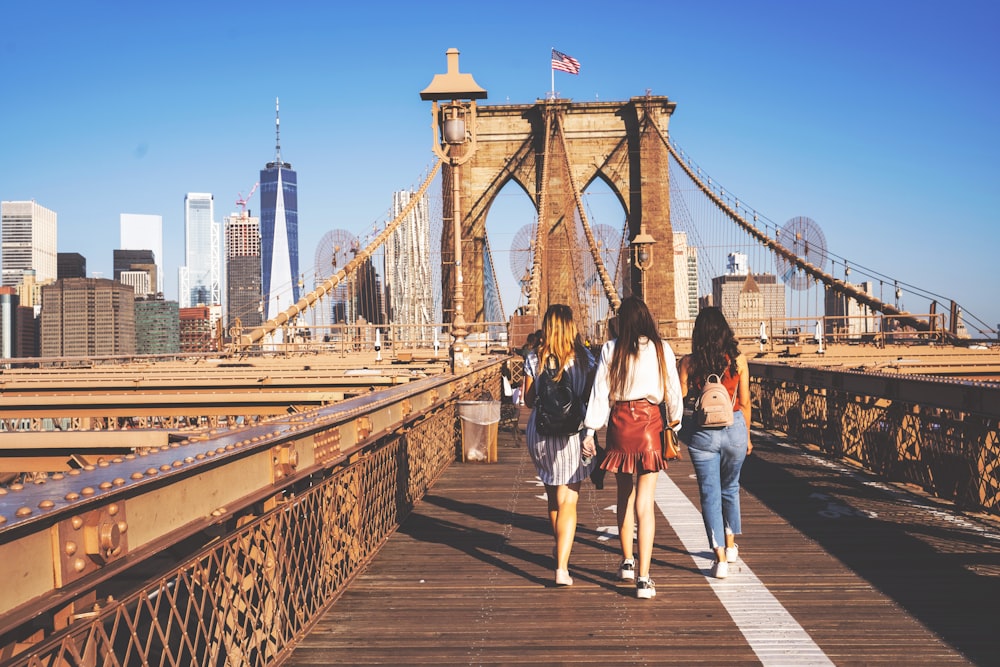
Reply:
x=718, y=453
x=557, y=458
x=637, y=371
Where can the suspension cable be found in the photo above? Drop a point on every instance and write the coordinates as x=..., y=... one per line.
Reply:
x=614, y=300
x=810, y=269
x=535, y=287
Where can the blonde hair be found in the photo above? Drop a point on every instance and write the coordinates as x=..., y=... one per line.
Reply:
x=560, y=337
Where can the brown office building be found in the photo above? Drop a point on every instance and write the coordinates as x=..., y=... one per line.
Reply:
x=87, y=317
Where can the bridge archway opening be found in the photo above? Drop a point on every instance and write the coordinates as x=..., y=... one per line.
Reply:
x=510, y=225
x=608, y=220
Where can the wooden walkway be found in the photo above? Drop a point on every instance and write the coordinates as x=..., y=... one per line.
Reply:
x=836, y=568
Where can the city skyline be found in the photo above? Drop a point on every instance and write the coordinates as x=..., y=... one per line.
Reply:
x=798, y=110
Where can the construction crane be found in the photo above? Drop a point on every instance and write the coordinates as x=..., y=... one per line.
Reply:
x=242, y=201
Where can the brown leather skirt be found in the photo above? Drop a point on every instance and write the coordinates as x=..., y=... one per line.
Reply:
x=633, y=438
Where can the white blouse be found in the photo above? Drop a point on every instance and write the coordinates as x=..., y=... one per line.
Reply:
x=643, y=382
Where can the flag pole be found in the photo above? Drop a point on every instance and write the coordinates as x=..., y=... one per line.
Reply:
x=552, y=70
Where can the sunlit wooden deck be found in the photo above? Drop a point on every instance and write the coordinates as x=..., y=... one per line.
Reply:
x=836, y=568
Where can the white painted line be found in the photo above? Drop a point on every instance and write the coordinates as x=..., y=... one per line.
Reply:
x=773, y=634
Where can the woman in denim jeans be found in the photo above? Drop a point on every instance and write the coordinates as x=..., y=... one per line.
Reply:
x=718, y=453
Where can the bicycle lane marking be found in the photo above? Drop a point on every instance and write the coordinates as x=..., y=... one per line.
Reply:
x=772, y=633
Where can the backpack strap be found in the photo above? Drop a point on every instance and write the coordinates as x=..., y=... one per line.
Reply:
x=718, y=378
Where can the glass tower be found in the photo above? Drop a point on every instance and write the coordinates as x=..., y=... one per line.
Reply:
x=279, y=231
x=200, y=277
x=29, y=242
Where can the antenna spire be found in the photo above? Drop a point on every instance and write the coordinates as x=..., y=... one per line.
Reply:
x=277, y=133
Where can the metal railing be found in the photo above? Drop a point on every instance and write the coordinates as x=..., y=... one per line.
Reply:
x=941, y=435
x=300, y=506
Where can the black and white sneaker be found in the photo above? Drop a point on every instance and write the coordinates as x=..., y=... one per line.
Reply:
x=626, y=571
x=645, y=588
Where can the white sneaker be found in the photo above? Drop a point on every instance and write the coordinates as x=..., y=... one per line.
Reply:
x=733, y=553
x=626, y=571
x=720, y=570
x=645, y=588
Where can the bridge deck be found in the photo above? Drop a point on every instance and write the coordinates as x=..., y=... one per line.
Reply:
x=836, y=568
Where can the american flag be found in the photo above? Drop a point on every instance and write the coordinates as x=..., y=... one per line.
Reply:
x=564, y=63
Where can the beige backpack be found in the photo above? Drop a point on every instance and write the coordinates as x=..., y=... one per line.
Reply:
x=714, y=407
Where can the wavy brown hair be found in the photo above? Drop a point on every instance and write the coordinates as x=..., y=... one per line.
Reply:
x=714, y=347
x=560, y=338
x=634, y=322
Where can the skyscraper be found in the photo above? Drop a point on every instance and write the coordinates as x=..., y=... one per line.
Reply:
x=144, y=232
x=157, y=326
x=28, y=234
x=685, y=284
x=126, y=261
x=279, y=230
x=200, y=279
x=746, y=298
x=409, y=278
x=243, y=270
x=71, y=265
x=86, y=317
x=846, y=316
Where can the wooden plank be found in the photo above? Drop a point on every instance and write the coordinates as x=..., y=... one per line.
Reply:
x=468, y=577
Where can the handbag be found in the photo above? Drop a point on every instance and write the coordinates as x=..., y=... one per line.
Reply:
x=597, y=474
x=670, y=448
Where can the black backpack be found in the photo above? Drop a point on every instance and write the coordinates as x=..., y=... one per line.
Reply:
x=558, y=411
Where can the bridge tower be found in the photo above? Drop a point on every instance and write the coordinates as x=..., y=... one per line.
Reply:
x=553, y=150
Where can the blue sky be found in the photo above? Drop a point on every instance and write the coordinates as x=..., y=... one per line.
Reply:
x=877, y=119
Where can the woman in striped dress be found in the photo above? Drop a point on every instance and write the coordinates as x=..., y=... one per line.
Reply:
x=557, y=458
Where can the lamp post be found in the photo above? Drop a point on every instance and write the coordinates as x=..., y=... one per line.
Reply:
x=642, y=255
x=453, y=111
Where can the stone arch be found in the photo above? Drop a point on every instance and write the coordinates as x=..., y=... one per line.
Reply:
x=619, y=142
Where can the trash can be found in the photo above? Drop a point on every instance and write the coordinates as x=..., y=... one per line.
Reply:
x=480, y=428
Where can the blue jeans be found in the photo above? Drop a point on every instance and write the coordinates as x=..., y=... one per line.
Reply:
x=717, y=455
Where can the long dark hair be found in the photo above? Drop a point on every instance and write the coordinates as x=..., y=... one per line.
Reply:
x=634, y=322
x=714, y=347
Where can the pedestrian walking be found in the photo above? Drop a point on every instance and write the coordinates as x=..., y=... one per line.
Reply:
x=561, y=357
x=637, y=371
x=718, y=452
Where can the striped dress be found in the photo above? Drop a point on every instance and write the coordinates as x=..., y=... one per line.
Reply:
x=557, y=458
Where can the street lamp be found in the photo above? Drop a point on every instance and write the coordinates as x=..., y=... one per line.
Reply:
x=642, y=255
x=453, y=111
